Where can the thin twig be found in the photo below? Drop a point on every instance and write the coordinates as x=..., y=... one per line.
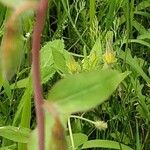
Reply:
x=39, y=24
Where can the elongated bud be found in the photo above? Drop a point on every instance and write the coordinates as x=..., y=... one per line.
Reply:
x=58, y=141
x=12, y=43
x=11, y=51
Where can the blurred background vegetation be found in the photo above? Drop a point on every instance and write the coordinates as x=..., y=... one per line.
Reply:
x=123, y=28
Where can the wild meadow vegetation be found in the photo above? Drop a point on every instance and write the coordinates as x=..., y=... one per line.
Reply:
x=94, y=63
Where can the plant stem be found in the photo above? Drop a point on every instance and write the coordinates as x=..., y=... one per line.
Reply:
x=39, y=24
x=79, y=117
x=71, y=135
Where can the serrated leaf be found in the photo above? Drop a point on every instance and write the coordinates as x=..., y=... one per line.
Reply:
x=46, y=51
x=15, y=134
x=85, y=91
x=47, y=73
x=59, y=60
x=47, y=62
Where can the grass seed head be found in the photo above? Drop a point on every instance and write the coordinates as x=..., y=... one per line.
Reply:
x=101, y=125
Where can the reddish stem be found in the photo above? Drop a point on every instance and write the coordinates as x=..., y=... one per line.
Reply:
x=39, y=24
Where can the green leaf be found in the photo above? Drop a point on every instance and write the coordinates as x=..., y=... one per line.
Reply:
x=24, y=105
x=117, y=135
x=78, y=92
x=1, y=80
x=26, y=111
x=15, y=134
x=20, y=84
x=33, y=140
x=86, y=90
x=105, y=144
x=11, y=147
x=78, y=138
x=142, y=108
x=138, y=142
x=144, y=36
x=97, y=47
x=111, y=14
x=27, y=21
x=134, y=64
x=139, y=27
x=46, y=51
x=140, y=42
x=47, y=62
x=143, y=5
x=92, y=11
x=2, y=16
x=95, y=56
x=47, y=73
x=7, y=89
x=59, y=60
x=142, y=13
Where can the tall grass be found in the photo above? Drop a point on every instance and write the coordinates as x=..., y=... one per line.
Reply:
x=81, y=24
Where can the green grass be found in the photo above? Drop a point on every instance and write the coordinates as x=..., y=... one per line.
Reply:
x=83, y=24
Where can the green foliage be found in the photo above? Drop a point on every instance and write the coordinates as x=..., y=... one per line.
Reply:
x=79, y=139
x=14, y=133
x=89, y=85
x=133, y=62
x=105, y=144
x=47, y=65
x=84, y=91
x=11, y=147
x=92, y=11
x=80, y=93
x=59, y=61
